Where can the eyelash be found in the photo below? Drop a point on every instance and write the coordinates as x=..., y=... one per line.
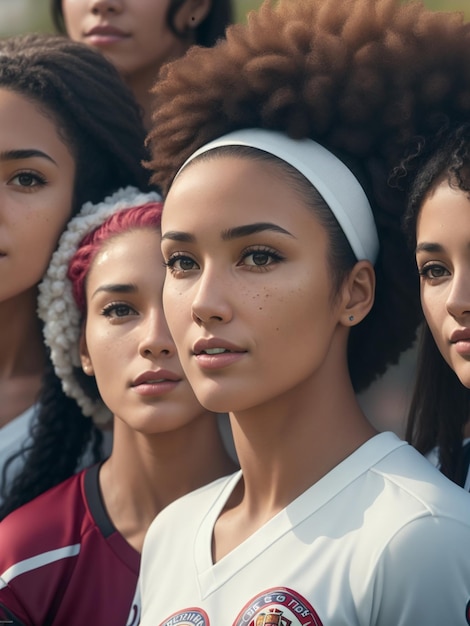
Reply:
x=425, y=271
x=113, y=307
x=272, y=255
x=38, y=180
x=174, y=258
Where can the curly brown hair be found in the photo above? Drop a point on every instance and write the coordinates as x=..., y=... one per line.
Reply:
x=362, y=77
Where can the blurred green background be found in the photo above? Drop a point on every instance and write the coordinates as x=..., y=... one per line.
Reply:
x=31, y=15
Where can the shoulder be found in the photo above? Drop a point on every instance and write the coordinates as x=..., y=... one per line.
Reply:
x=428, y=555
x=50, y=521
x=422, y=489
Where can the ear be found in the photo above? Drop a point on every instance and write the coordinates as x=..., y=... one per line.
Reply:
x=192, y=13
x=358, y=294
x=85, y=359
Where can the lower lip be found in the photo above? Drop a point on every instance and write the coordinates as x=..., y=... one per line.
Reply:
x=463, y=348
x=104, y=40
x=217, y=361
x=155, y=389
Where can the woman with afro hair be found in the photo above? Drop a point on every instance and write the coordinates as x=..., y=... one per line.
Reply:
x=289, y=288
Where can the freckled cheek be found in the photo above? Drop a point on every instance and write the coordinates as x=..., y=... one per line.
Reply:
x=274, y=307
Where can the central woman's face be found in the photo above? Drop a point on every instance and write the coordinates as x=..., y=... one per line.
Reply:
x=132, y=34
x=443, y=259
x=248, y=291
x=37, y=174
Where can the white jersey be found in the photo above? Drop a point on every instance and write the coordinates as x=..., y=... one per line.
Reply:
x=383, y=539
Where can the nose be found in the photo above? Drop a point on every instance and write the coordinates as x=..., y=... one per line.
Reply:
x=211, y=303
x=458, y=300
x=102, y=7
x=156, y=340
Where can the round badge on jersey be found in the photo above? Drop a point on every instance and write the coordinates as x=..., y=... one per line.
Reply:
x=278, y=607
x=188, y=617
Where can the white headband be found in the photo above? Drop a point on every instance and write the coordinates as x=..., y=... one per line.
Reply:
x=56, y=304
x=333, y=180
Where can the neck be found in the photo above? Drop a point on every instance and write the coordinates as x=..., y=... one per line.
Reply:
x=22, y=356
x=142, y=81
x=288, y=444
x=146, y=473
x=141, y=84
x=22, y=351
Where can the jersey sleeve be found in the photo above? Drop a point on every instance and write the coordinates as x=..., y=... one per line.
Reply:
x=423, y=575
x=36, y=555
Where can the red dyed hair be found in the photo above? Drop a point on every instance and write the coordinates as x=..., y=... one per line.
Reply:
x=147, y=215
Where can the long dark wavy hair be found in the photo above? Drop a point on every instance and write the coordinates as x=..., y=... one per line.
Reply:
x=97, y=117
x=440, y=405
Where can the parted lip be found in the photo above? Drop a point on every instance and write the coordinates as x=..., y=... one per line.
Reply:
x=201, y=345
x=462, y=334
x=106, y=29
x=152, y=376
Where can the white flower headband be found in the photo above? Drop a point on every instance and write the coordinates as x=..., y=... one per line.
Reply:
x=56, y=304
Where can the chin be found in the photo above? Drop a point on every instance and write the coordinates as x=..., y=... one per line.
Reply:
x=463, y=374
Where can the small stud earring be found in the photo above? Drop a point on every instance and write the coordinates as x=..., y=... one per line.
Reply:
x=351, y=318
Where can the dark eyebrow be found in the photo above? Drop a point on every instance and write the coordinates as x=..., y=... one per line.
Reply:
x=428, y=247
x=17, y=155
x=115, y=288
x=231, y=233
x=251, y=229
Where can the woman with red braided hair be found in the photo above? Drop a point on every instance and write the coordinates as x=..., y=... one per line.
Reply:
x=290, y=287
x=101, y=303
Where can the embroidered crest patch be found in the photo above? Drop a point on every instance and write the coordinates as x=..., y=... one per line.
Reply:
x=278, y=607
x=188, y=617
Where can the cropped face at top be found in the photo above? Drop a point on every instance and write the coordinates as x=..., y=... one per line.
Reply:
x=37, y=173
x=248, y=295
x=443, y=259
x=132, y=34
x=127, y=344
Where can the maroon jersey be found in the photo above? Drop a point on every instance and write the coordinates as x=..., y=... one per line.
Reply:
x=63, y=563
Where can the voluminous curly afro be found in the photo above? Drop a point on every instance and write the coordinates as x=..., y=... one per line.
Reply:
x=363, y=78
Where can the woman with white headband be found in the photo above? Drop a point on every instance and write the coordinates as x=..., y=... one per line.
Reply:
x=286, y=292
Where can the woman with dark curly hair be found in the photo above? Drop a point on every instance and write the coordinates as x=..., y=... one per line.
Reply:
x=437, y=221
x=70, y=133
x=139, y=37
x=289, y=288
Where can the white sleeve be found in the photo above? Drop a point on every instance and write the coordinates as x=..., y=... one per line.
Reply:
x=423, y=576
